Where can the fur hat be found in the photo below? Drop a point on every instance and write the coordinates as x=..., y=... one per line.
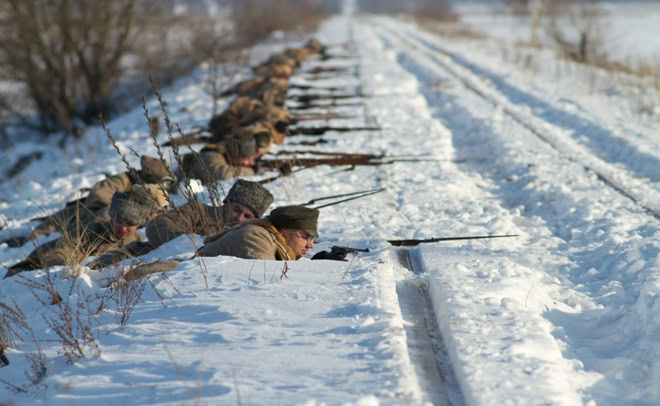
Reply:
x=242, y=145
x=315, y=46
x=132, y=207
x=250, y=194
x=296, y=217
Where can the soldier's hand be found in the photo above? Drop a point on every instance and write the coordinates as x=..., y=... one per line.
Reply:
x=329, y=256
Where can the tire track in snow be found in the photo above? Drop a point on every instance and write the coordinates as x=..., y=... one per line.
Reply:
x=425, y=347
x=640, y=190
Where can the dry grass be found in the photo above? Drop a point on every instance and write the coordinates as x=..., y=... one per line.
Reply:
x=15, y=328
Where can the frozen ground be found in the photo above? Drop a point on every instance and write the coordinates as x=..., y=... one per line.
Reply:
x=564, y=314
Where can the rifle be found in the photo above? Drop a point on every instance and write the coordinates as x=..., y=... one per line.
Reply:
x=338, y=253
x=365, y=160
x=308, y=87
x=306, y=98
x=317, y=70
x=311, y=117
x=413, y=242
x=188, y=139
x=322, y=130
x=350, y=196
x=309, y=106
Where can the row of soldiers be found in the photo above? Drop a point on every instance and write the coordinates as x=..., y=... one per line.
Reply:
x=104, y=223
x=254, y=120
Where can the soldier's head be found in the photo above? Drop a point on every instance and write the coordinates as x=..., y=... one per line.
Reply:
x=315, y=46
x=130, y=210
x=245, y=200
x=155, y=170
x=298, y=226
x=299, y=54
x=279, y=118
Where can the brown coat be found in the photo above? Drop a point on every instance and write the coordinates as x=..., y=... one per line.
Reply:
x=211, y=165
x=252, y=239
x=96, y=238
x=191, y=218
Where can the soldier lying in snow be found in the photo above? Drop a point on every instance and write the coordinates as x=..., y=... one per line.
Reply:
x=128, y=211
x=245, y=201
x=246, y=111
x=94, y=207
x=236, y=157
x=285, y=235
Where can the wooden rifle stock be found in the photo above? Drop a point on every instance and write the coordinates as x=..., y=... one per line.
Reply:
x=188, y=140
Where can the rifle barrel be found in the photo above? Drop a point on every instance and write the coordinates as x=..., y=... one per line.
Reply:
x=350, y=198
x=369, y=191
x=323, y=130
x=412, y=243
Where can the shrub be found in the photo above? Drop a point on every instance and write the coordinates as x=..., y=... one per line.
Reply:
x=67, y=54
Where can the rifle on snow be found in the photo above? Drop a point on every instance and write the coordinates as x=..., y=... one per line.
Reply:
x=312, y=117
x=349, y=196
x=312, y=106
x=307, y=98
x=350, y=160
x=317, y=70
x=322, y=130
x=338, y=253
x=413, y=242
x=308, y=87
x=188, y=139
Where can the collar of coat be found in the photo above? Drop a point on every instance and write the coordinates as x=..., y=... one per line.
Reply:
x=284, y=251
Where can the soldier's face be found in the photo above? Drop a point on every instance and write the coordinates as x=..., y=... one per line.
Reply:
x=235, y=212
x=298, y=240
x=122, y=229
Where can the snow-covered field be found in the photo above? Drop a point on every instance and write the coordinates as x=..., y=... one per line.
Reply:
x=564, y=314
x=631, y=26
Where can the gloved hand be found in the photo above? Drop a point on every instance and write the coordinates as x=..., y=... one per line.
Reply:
x=329, y=255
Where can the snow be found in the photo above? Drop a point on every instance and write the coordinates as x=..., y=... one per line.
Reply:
x=564, y=314
x=630, y=26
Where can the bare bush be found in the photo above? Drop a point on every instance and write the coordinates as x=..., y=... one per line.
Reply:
x=14, y=328
x=79, y=58
x=67, y=54
x=579, y=29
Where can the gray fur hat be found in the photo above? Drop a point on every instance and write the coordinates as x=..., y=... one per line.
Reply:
x=250, y=194
x=132, y=208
